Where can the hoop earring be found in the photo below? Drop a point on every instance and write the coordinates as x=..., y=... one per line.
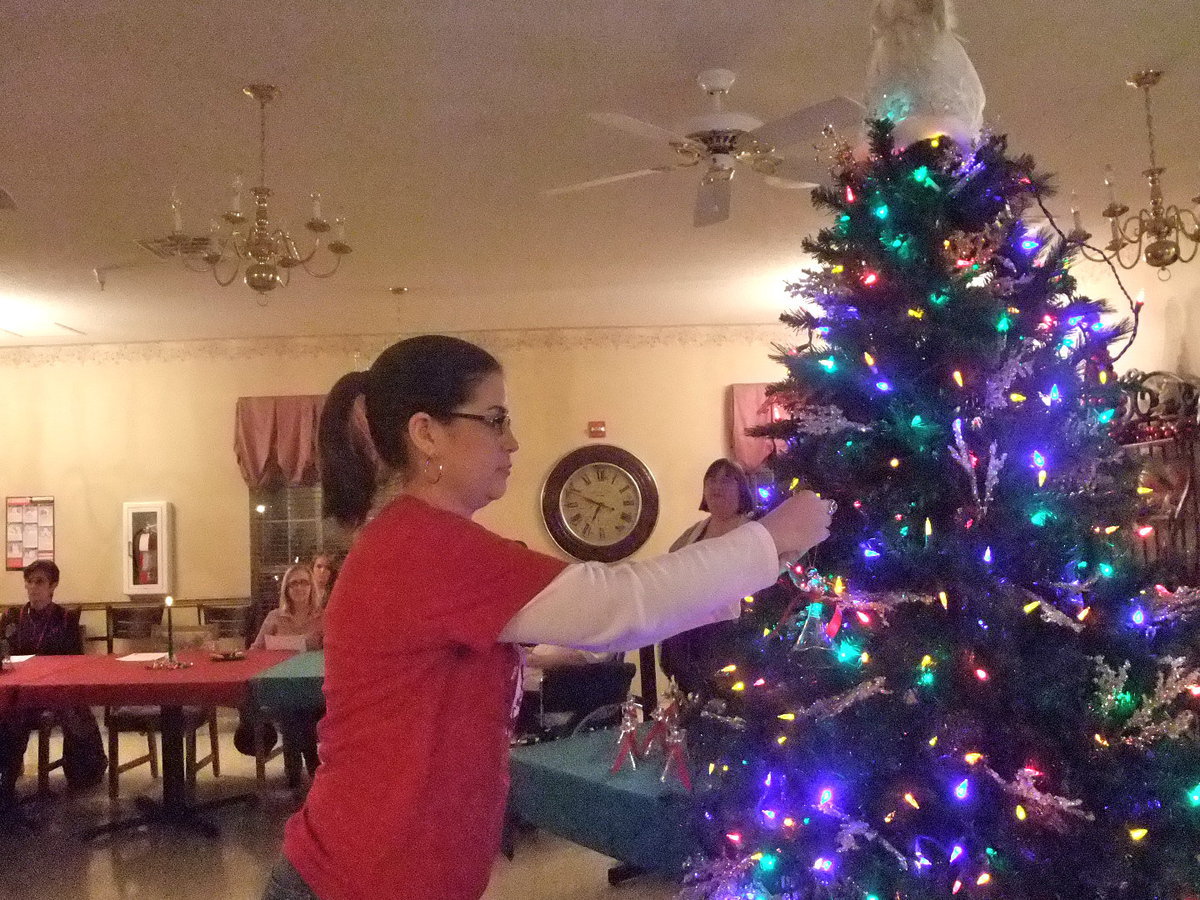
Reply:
x=438, y=477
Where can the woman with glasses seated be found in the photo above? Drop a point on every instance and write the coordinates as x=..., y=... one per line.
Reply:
x=299, y=621
x=297, y=624
x=421, y=631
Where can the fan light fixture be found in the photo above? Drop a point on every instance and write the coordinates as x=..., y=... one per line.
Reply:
x=1158, y=234
x=265, y=249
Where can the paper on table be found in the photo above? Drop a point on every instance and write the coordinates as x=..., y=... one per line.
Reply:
x=140, y=657
x=20, y=658
x=284, y=641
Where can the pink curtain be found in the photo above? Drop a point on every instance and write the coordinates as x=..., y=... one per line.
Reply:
x=275, y=439
x=749, y=407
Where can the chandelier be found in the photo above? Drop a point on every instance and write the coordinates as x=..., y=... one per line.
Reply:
x=1160, y=234
x=266, y=250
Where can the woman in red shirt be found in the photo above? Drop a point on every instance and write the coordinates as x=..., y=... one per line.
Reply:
x=420, y=666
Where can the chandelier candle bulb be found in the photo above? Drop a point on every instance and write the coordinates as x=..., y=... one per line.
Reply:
x=176, y=211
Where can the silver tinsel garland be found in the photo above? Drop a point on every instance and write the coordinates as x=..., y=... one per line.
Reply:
x=824, y=420
x=1050, y=809
x=1153, y=720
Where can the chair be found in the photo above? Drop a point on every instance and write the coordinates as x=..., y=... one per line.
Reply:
x=146, y=720
x=582, y=689
x=47, y=722
x=228, y=619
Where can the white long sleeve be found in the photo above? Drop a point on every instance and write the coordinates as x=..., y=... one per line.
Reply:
x=622, y=606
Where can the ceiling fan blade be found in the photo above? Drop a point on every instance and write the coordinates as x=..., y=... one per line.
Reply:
x=608, y=179
x=806, y=124
x=712, y=201
x=808, y=171
x=787, y=184
x=642, y=129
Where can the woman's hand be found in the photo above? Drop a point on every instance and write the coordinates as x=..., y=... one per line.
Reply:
x=799, y=523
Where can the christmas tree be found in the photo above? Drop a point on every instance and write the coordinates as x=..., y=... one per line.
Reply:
x=968, y=690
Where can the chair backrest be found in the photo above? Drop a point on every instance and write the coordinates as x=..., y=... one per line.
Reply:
x=227, y=618
x=186, y=637
x=131, y=624
x=579, y=689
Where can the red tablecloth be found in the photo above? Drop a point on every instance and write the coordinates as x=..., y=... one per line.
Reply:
x=106, y=681
x=22, y=674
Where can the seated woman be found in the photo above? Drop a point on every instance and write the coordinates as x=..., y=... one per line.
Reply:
x=693, y=656
x=324, y=570
x=300, y=614
x=43, y=628
x=298, y=623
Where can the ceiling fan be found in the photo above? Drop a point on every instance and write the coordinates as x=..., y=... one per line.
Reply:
x=723, y=138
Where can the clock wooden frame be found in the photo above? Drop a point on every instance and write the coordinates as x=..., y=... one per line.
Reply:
x=562, y=473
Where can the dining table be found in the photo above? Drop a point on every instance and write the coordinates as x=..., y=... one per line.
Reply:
x=47, y=682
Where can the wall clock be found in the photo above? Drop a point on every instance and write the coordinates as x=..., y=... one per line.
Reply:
x=600, y=503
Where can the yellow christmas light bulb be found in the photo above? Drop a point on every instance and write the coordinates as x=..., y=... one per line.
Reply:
x=890, y=817
x=926, y=661
x=958, y=378
x=789, y=822
x=917, y=313
x=729, y=668
x=1031, y=606
x=1042, y=478
x=944, y=599
x=869, y=359
x=865, y=658
x=933, y=741
x=935, y=143
x=787, y=717
x=983, y=879
x=973, y=757
x=1021, y=814
x=928, y=528
x=1101, y=740
x=912, y=801
x=712, y=767
x=838, y=269
x=894, y=463
x=1142, y=489
x=1017, y=398
x=1103, y=377
x=766, y=632
x=795, y=483
x=781, y=740
x=1112, y=528
x=839, y=586
x=1138, y=833
x=740, y=686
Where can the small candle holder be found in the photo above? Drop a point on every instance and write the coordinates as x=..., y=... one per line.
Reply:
x=169, y=661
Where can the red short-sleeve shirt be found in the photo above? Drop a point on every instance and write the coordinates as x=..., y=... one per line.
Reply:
x=409, y=798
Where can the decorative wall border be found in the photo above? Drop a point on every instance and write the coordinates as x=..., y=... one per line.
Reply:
x=370, y=345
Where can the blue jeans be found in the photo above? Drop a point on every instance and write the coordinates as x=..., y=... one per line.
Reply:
x=285, y=883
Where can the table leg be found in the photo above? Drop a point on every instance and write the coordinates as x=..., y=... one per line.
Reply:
x=175, y=808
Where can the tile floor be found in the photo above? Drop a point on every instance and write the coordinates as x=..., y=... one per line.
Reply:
x=52, y=863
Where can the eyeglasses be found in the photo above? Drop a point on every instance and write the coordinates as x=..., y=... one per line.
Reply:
x=499, y=423
x=295, y=582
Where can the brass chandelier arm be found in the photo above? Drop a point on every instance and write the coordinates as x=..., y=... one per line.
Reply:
x=337, y=262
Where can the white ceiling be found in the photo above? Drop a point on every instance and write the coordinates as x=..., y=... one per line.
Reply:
x=433, y=126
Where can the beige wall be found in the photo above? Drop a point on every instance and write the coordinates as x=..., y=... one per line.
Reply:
x=97, y=426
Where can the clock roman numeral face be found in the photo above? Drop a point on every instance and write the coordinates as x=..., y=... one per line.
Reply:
x=600, y=503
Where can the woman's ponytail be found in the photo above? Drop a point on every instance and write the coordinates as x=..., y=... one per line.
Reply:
x=347, y=471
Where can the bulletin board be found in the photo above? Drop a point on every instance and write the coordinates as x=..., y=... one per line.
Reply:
x=28, y=531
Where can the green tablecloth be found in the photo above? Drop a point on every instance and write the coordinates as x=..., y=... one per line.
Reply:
x=294, y=684
x=565, y=787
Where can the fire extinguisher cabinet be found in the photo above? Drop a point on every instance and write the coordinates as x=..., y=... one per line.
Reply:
x=148, y=565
